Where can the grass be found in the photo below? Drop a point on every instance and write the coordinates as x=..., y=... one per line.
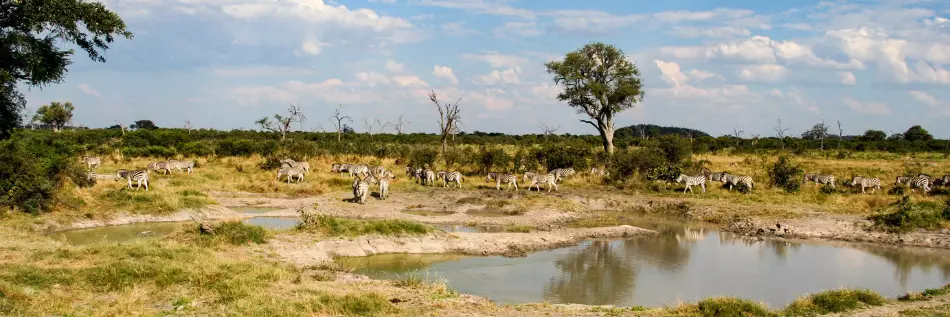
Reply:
x=926, y=294
x=906, y=215
x=834, y=301
x=730, y=306
x=935, y=311
x=335, y=226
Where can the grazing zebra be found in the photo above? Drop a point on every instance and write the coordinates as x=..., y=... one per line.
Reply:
x=734, y=180
x=383, y=181
x=428, y=176
x=716, y=177
x=691, y=181
x=360, y=190
x=903, y=180
x=822, y=179
x=139, y=176
x=291, y=172
x=503, y=178
x=335, y=167
x=359, y=169
x=920, y=182
x=440, y=174
x=562, y=173
x=866, y=182
x=159, y=166
x=452, y=177
x=92, y=161
x=344, y=168
x=303, y=165
x=528, y=176
x=179, y=165
x=417, y=175
x=537, y=179
x=377, y=170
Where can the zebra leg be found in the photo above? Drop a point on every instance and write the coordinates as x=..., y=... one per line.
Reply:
x=703, y=185
x=513, y=183
x=687, y=188
x=130, y=182
x=555, y=186
x=146, y=185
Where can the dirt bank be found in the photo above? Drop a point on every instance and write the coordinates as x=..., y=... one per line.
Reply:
x=306, y=250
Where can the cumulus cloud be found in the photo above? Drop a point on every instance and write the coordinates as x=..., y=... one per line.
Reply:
x=86, y=89
x=446, y=73
x=941, y=107
x=847, y=78
x=765, y=72
x=496, y=77
x=395, y=67
x=874, y=108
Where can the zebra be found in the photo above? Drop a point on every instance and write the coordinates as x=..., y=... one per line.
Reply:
x=943, y=181
x=716, y=177
x=92, y=161
x=734, y=180
x=920, y=182
x=287, y=162
x=416, y=174
x=179, y=165
x=377, y=170
x=335, y=167
x=291, y=172
x=360, y=190
x=537, y=179
x=528, y=176
x=139, y=176
x=440, y=174
x=428, y=176
x=691, y=181
x=866, y=182
x=452, y=177
x=503, y=178
x=822, y=179
x=902, y=180
x=159, y=166
x=384, y=184
x=562, y=173
x=598, y=171
x=359, y=169
x=344, y=168
x=305, y=166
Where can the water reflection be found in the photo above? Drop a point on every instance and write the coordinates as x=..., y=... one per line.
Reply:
x=683, y=262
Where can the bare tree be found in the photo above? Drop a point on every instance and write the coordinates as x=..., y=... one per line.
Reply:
x=755, y=138
x=689, y=134
x=400, y=125
x=368, y=124
x=840, y=134
x=780, y=132
x=121, y=126
x=548, y=129
x=449, y=118
x=282, y=124
x=337, y=121
x=737, y=133
x=642, y=128
x=188, y=126
x=817, y=132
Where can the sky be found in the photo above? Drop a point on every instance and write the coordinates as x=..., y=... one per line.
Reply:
x=717, y=66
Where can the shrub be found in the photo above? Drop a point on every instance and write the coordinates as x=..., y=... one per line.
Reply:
x=335, y=226
x=270, y=163
x=491, y=159
x=907, y=216
x=729, y=307
x=785, y=174
x=238, y=233
x=423, y=156
x=32, y=169
x=835, y=301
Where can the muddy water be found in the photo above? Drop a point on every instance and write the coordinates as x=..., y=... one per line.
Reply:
x=683, y=263
x=275, y=223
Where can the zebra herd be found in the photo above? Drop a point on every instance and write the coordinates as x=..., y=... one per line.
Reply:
x=725, y=178
x=140, y=177
x=922, y=181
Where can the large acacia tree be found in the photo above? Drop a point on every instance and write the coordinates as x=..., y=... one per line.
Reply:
x=31, y=36
x=598, y=81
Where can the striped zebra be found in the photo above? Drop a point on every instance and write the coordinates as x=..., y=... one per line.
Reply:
x=528, y=176
x=537, y=179
x=716, y=177
x=291, y=172
x=179, y=165
x=335, y=167
x=866, y=182
x=735, y=180
x=440, y=174
x=503, y=178
x=287, y=162
x=383, y=181
x=452, y=177
x=377, y=170
x=139, y=177
x=691, y=181
x=562, y=173
x=943, y=181
x=416, y=174
x=358, y=169
x=159, y=166
x=428, y=176
x=344, y=168
x=92, y=161
x=920, y=182
x=822, y=179
x=903, y=180
x=360, y=190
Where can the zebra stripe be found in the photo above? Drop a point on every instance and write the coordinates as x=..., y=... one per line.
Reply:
x=561, y=173
x=359, y=169
x=139, y=177
x=510, y=180
x=335, y=168
x=291, y=172
x=866, y=182
x=377, y=170
x=159, y=166
x=691, y=181
x=452, y=177
x=920, y=182
x=716, y=177
x=822, y=179
x=733, y=180
x=92, y=161
x=179, y=165
x=360, y=190
x=428, y=176
x=384, y=186
x=536, y=180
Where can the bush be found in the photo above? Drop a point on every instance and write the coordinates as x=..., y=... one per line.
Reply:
x=335, y=226
x=907, y=216
x=33, y=169
x=423, y=156
x=492, y=159
x=238, y=233
x=785, y=174
x=835, y=301
x=729, y=307
x=270, y=163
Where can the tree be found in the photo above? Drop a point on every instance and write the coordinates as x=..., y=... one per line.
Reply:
x=188, y=126
x=121, y=126
x=400, y=125
x=874, y=135
x=840, y=135
x=32, y=50
x=916, y=133
x=282, y=124
x=547, y=129
x=600, y=82
x=780, y=132
x=56, y=114
x=337, y=121
x=817, y=132
x=144, y=124
x=449, y=117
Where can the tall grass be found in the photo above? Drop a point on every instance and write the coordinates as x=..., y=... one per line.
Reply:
x=335, y=226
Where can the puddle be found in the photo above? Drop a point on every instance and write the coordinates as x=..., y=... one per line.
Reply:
x=427, y=213
x=254, y=210
x=116, y=234
x=684, y=263
x=478, y=228
x=274, y=223
x=488, y=212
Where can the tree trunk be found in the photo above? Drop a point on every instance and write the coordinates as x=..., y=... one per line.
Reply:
x=445, y=140
x=339, y=135
x=607, y=136
x=283, y=135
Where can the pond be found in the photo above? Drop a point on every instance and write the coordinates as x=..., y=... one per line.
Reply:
x=253, y=210
x=684, y=263
x=274, y=223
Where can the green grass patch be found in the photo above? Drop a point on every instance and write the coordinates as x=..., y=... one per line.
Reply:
x=935, y=311
x=906, y=215
x=519, y=228
x=730, y=306
x=834, y=301
x=926, y=294
x=228, y=232
x=335, y=226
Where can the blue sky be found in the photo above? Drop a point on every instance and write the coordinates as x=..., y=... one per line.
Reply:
x=710, y=65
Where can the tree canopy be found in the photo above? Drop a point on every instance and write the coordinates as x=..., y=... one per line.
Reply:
x=917, y=133
x=598, y=81
x=57, y=114
x=144, y=124
x=31, y=34
x=874, y=135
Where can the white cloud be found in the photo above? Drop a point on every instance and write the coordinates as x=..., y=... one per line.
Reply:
x=497, y=60
x=941, y=107
x=496, y=77
x=720, y=31
x=409, y=81
x=524, y=29
x=671, y=73
x=261, y=71
x=875, y=108
x=766, y=72
x=458, y=29
x=480, y=6
x=847, y=78
x=86, y=89
x=684, y=16
x=446, y=73
x=393, y=66
x=758, y=49
x=310, y=47
x=372, y=78
x=590, y=22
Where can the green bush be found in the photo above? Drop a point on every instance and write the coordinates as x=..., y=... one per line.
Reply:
x=834, y=301
x=270, y=163
x=423, y=156
x=906, y=215
x=785, y=174
x=335, y=226
x=731, y=307
x=238, y=233
x=33, y=169
x=493, y=159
